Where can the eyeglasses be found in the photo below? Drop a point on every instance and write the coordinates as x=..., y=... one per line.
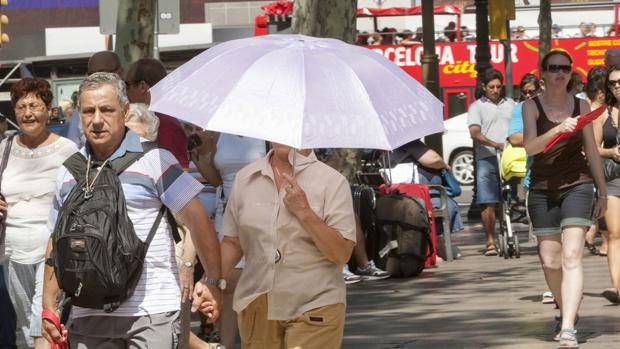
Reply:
x=35, y=107
x=530, y=93
x=613, y=83
x=555, y=68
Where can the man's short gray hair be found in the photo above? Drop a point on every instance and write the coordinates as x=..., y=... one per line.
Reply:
x=611, y=52
x=97, y=80
x=140, y=113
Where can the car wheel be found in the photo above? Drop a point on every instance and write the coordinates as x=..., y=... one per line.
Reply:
x=462, y=165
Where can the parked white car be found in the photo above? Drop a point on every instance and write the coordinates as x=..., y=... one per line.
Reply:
x=458, y=149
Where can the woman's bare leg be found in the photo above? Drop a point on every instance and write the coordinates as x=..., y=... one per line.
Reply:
x=612, y=218
x=550, y=254
x=572, y=273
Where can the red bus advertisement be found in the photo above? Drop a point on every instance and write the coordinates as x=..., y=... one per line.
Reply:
x=457, y=60
x=457, y=76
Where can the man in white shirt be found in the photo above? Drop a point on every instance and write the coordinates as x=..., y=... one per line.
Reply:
x=488, y=120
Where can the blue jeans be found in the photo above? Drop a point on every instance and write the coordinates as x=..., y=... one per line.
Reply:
x=487, y=181
x=7, y=316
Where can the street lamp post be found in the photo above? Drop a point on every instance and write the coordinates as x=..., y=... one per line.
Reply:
x=483, y=52
x=430, y=79
x=483, y=58
x=430, y=65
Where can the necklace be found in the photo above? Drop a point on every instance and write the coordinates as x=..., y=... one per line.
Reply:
x=90, y=186
x=556, y=114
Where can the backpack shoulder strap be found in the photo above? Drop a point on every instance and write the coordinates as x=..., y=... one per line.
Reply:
x=76, y=164
x=148, y=146
x=151, y=235
x=121, y=164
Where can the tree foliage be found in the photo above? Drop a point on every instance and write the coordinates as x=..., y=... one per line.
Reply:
x=135, y=30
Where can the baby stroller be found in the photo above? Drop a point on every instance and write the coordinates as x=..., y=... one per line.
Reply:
x=512, y=168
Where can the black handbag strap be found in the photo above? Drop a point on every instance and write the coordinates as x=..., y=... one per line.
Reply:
x=5, y=157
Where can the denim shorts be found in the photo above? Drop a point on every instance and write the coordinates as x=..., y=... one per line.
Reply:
x=552, y=210
x=487, y=181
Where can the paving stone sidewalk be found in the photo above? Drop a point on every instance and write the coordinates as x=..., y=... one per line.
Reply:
x=476, y=302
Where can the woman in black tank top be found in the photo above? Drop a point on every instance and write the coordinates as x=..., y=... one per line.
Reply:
x=606, y=136
x=561, y=195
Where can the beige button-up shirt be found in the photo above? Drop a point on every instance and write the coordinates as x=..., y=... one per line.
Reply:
x=280, y=257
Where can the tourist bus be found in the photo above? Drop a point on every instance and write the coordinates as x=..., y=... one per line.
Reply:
x=457, y=60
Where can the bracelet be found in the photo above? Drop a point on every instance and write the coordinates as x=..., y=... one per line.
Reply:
x=602, y=196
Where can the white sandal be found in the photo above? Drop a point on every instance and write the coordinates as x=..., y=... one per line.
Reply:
x=568, y=339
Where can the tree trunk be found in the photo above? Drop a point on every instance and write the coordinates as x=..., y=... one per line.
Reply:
x=544, y=23
x=325, y=19
x=330, y=19
x=135, y=30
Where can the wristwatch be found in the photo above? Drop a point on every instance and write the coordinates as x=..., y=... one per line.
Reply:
x=220, y=283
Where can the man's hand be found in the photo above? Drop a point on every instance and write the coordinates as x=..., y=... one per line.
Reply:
x=207, y=300
x=295, y=198
x=186, y=279
x=499, y=146
x=51, y=333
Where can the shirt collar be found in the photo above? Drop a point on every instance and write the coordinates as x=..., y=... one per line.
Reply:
x=484, y=99
x=301, y=162
x=131, y=143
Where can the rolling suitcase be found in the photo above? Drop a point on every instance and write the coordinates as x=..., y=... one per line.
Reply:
x=403, y=228
x=421, y=192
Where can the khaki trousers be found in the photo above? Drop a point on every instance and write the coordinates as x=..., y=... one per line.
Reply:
x=320, y=328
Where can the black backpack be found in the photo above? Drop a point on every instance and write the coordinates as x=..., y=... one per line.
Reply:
x=404, y=229
x=97, y=256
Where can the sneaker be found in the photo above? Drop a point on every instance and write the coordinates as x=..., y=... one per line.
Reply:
x=349, y=277
x=371, y=272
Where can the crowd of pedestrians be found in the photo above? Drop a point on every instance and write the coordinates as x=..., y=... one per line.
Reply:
x=112, y=123
x=407, y=37
x=205, y=257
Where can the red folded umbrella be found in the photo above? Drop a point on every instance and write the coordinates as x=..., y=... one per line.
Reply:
x=51, y=316
x=582, y=121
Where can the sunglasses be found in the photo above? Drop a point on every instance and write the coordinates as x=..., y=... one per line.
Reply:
x=530, y=93
x=555, y=68
x=613, y=83
x=132, y=83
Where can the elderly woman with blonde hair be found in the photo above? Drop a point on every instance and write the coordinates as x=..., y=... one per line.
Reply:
x=142, y=121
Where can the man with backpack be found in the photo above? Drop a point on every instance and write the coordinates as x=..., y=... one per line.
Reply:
x=112, y=249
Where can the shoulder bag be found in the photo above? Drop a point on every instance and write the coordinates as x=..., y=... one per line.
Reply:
x=5, y=160
x=453, y=188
